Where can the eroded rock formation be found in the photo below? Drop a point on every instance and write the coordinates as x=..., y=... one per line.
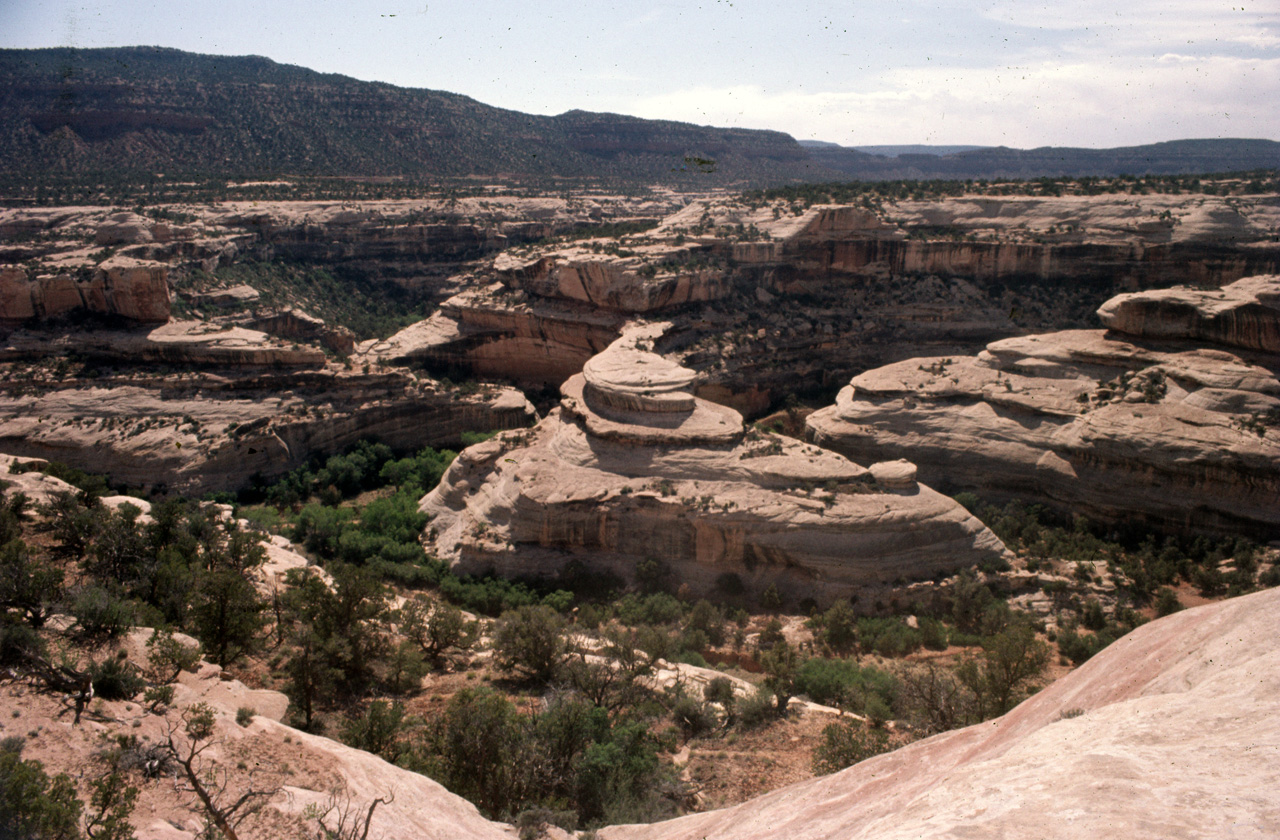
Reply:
x=1149, y=423
x=767, y=299
x=131, y=289
x=633, y=466
x=233, y=403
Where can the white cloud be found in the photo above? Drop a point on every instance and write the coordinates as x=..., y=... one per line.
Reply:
x=1023, y=106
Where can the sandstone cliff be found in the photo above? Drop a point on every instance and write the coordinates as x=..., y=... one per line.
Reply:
x=1110, y=425
x=633, y=466
x=133, y=290
x=194, y=408
x=768, y=299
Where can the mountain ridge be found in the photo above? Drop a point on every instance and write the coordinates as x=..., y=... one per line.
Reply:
x=131, y=112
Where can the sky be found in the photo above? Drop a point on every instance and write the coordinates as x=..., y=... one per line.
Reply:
x=992, y=72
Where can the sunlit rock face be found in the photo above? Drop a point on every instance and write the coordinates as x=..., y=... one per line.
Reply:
x=632, y=466
x=130, y=289
x=1244, y=314
x=192, y=407
x=1172, y=416
x=769, y=299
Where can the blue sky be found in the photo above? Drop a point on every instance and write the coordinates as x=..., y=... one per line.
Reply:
x=1000, y=72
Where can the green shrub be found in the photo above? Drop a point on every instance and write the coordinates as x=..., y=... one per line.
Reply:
x=1079, y=647
x=377, y=731
x=891, y=637
x=530, y=641
x=34, y=806
x=692, y=716
x=116, y=679
x=845, y=744
x=841, y=682
x=756, y=709
x=101, y=615
x=18, y=642
x=654, y=608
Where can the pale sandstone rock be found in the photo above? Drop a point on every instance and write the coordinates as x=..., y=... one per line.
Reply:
x=1244, y=314
x=1104, y=425
x=851, y=287
x=615, y=283
x=615, y=485
x=230, y=296
x=124, y=229
x=491, y=334
x=311, y=767
x=266, y=409
x=138, y=291
x=296, y=325
x=1177, y=734
x=36, y=486
x=141, y=435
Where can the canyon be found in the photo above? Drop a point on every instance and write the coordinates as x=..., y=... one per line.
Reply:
x=770, y=299
x=1111, y=356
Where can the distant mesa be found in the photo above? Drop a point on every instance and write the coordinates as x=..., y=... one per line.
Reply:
x=140, y=110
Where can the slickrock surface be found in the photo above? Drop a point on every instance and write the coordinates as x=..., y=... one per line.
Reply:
x=1110, y=425
x=1173, y=731
x=1244, y=314
x=632, y=466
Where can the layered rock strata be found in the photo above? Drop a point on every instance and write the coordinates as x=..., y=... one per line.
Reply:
x=1245, y=314
x=193, y=408
x=768, y=298
x=1156, y=425
x=494, y=333
x=130, y=289
x=1173, y=731
x=633, y=466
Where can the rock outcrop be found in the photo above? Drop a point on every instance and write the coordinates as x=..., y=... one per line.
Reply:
x=194, y=408
x=1173, y=731
x=625, y=282
x=491, y=333
x=1111, y=425
x=633, y=466
x=131, y=289
x=1245, y=314
x=768, y=299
